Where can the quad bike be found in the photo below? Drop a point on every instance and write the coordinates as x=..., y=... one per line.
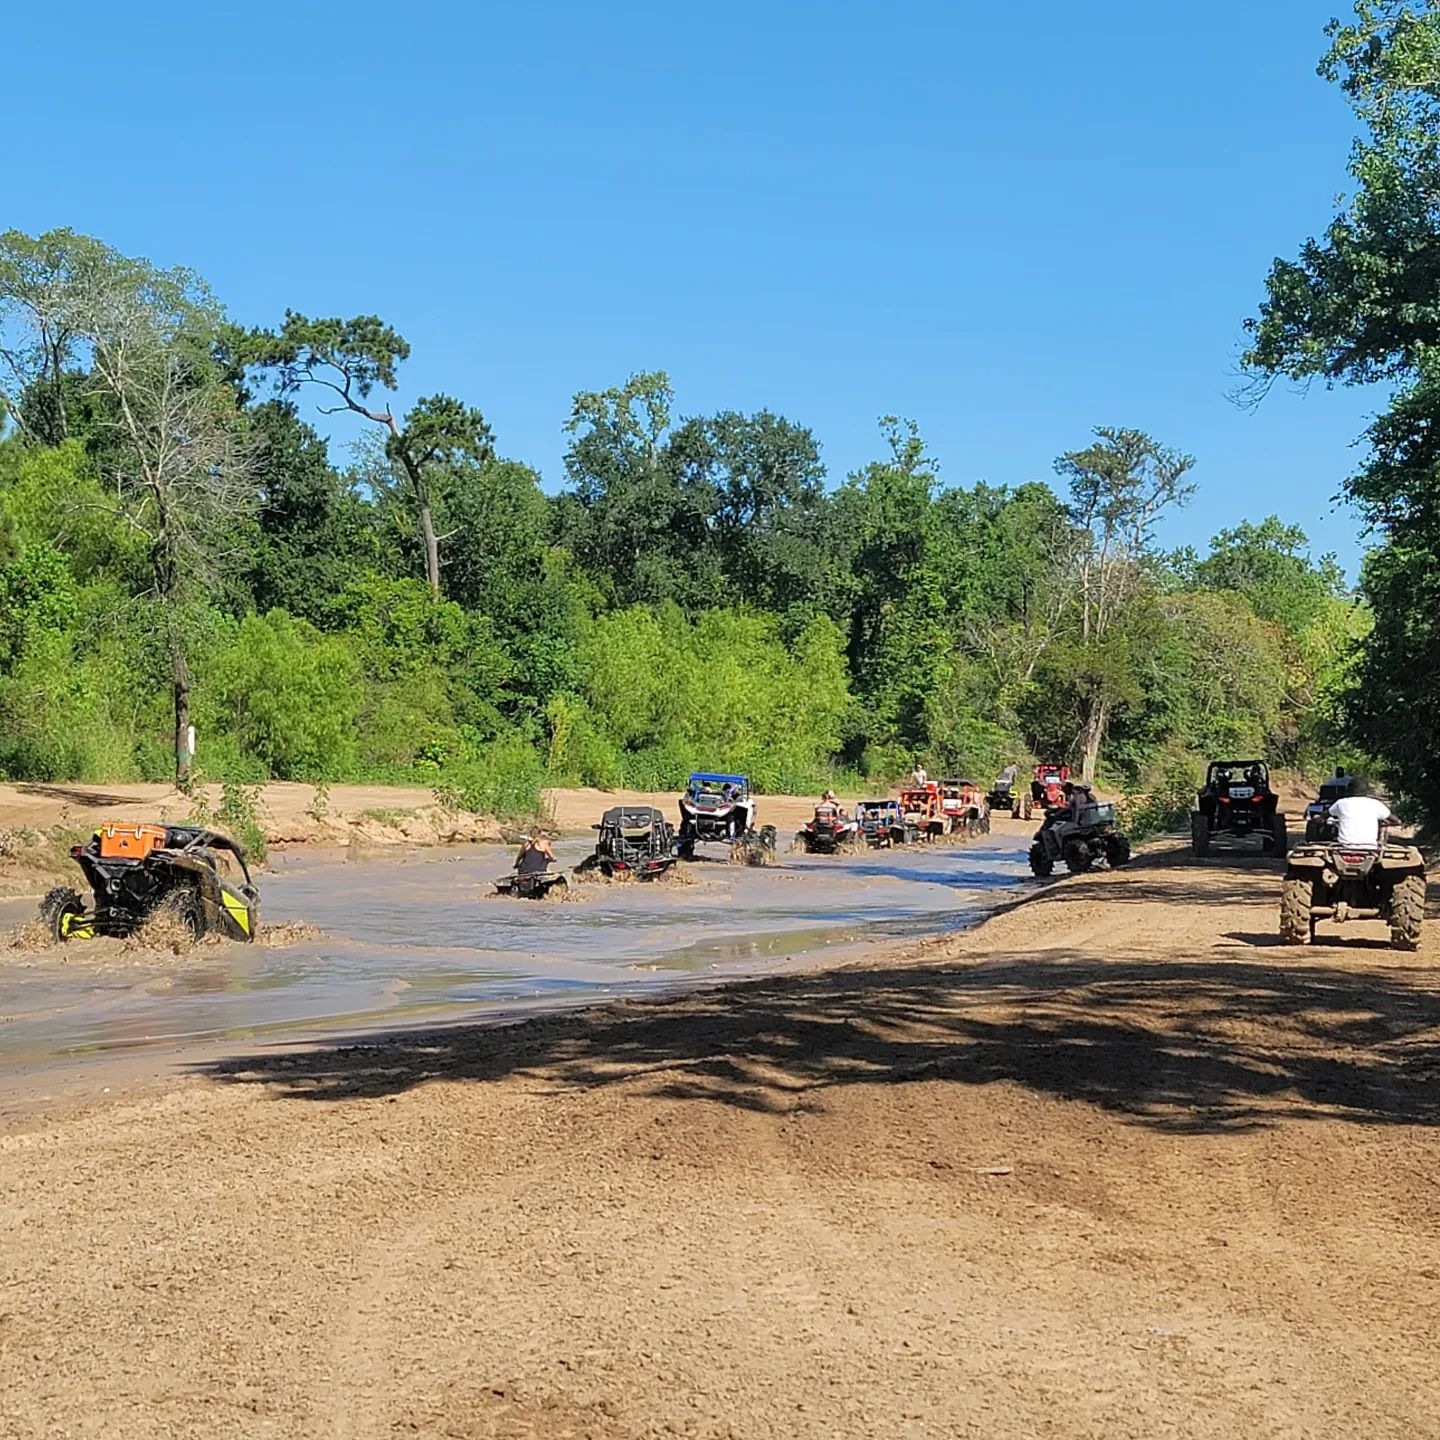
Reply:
x=924, y=811
x=884, y=823
x=534, y=884
x=1080, y=844
x=1327, y=881
x=136, y=871
x=966, y=807
x=633, y=840
x=829, y=832
x=1237, y=801
x=715, y=809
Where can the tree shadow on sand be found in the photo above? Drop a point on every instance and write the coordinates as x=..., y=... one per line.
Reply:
x=1191, y=1047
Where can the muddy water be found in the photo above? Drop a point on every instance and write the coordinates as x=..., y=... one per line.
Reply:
x=421, y=936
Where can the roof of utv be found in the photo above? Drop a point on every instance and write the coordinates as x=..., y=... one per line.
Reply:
x=630, y=817
x=720, y=779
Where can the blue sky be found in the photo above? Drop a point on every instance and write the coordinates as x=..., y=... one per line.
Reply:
x=1011, y=223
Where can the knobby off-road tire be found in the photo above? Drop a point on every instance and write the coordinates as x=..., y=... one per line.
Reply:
x=185, y=904
x=58, y=903
x=1040, y=863
x=1117, y=851
x=1297, y=896
x=1199, y=835
x=1280, y=837
x=1407, y=912
x=1079, y=857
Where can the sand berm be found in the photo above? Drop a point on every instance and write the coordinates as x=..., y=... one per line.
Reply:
x=1113, y=1164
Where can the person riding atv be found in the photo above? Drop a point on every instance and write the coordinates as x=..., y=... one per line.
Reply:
x=532, y=877
x=1080, y=832
x=1356, y=873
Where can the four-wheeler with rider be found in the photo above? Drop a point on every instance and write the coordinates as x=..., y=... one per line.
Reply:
x=1330, y=880
x=633, y=842
x=830, y=831
x=1237, y=802
x=1008, y=796
x=533, y=878
x=136, y=871
x=1081, y=834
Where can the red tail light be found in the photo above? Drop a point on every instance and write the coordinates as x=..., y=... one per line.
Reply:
x=1350, y=859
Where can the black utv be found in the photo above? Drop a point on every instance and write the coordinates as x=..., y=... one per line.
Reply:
x=136, y=871
x=1236, y=803
x=632, y=840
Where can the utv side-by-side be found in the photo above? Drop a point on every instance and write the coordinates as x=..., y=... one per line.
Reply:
x=715, y=809
x=925, y=811
x=966, y=807
x=632, y=840
x=1236, y=803
x=720, y=810
x=136, y=871
x=884, y=823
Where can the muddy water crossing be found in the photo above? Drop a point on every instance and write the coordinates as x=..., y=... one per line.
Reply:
x=421, y=936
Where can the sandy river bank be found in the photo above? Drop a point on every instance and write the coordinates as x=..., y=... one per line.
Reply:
x=1111, y=1164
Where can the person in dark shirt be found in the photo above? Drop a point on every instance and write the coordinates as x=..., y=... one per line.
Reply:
x=536, y=855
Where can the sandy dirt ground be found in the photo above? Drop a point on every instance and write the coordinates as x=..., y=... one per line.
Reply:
x=1113, y=1164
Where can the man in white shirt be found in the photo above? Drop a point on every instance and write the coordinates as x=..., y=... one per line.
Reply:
x=1359, y=820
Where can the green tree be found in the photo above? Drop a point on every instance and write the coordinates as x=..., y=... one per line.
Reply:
x=1119, y=488
x=1270, y=565
x=347, y=360
x=1359, y=305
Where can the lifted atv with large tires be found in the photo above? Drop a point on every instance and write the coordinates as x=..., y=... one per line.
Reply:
x=1237, y=802
x=1080, y=844
x=1328, y=881
x=137, y=871
x=830, y=831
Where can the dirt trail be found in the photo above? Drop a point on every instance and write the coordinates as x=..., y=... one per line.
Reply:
x=1111, y=1165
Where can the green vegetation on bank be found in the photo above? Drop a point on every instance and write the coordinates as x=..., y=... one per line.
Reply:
x=179, y=546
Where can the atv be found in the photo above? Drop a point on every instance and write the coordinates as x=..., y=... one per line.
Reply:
x=1047, y=789
x=924, y=811
x=1318, y=825
x=884, y=823
x=1237, y=801
x=534, y=884
x=966, y=807
x=715, y=809
x=1009, y=800
x=633, y=840
x=829, y=832
x=1325, y=881
x=136, y=871
x=1079, y=844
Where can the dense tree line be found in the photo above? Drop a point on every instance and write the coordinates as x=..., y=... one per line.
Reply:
x=180, y=546
x=1360, y=305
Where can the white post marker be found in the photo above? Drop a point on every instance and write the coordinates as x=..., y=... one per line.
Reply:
x=190, y=741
